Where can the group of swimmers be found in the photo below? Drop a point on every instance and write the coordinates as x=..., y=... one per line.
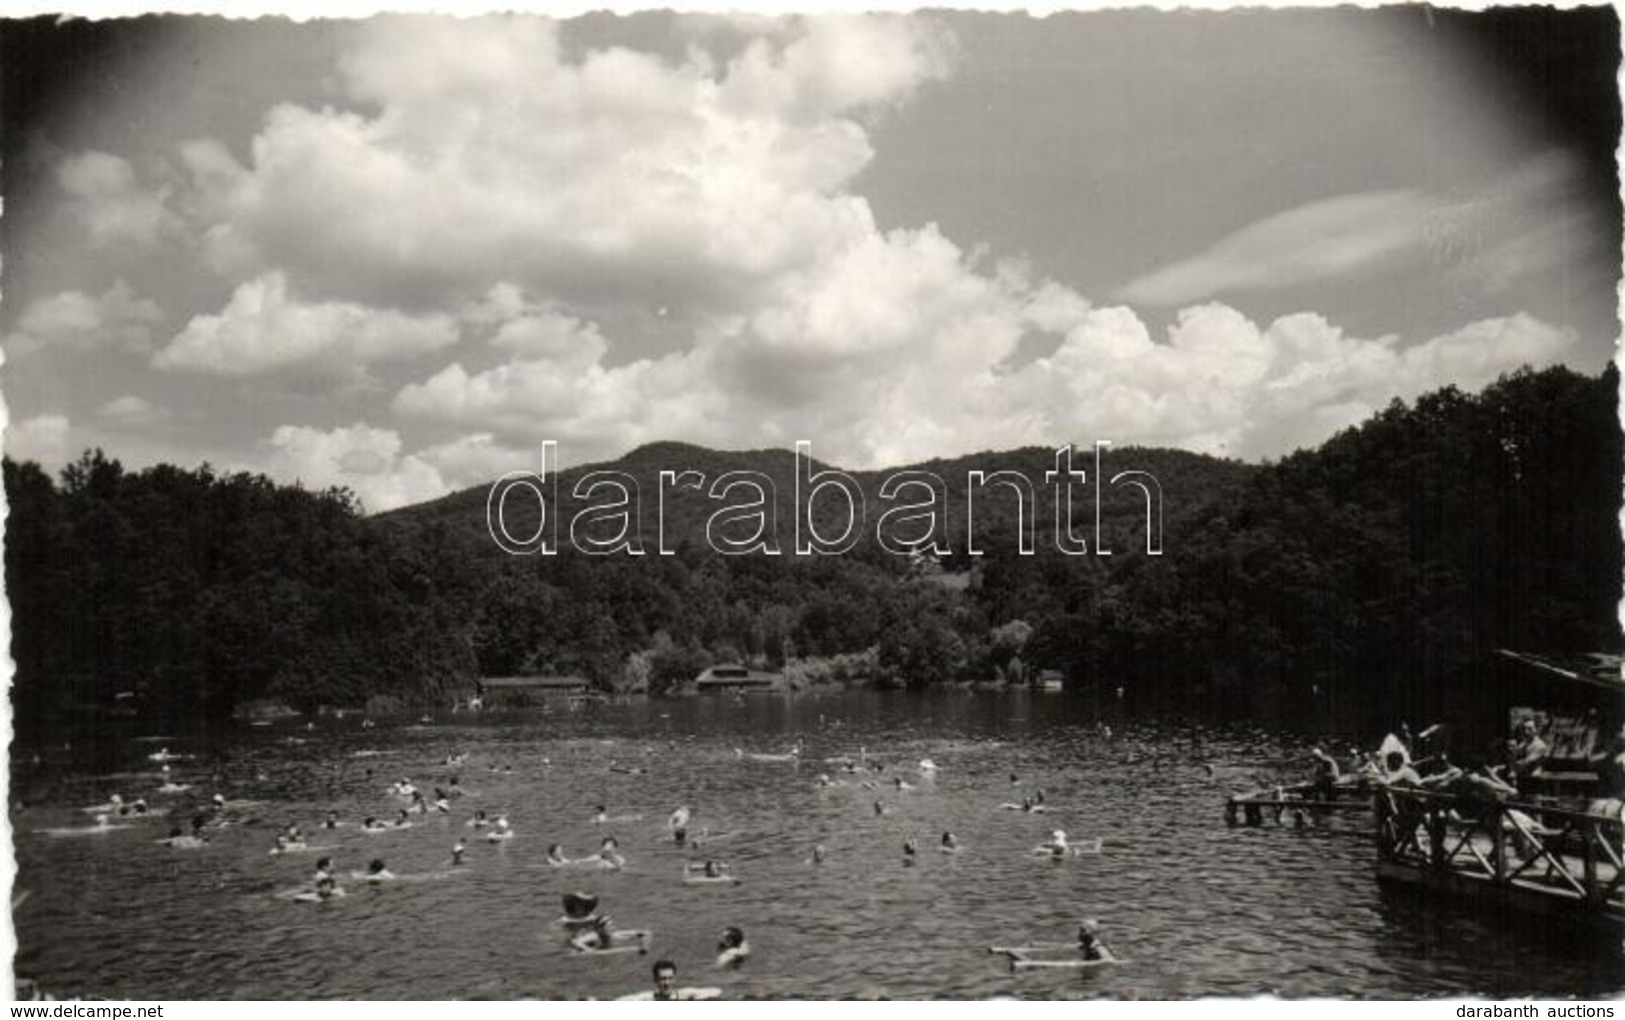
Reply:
x=591, y=932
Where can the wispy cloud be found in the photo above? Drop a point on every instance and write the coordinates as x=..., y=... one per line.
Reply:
x=1517, y=223
x=1312, y=242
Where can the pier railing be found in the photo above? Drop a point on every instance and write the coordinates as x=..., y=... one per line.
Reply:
x=1536, y=853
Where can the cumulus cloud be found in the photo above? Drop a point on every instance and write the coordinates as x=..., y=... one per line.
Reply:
x=106, y=198
x=131, y=410
x=364, y=459
x=77, y=321
x=614, y=247
x=618, y=176
x=1218, y=383
x=264, y=329
x=43, y=439
x=477, y=459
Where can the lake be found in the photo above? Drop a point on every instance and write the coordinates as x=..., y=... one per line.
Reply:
x=1194, y=907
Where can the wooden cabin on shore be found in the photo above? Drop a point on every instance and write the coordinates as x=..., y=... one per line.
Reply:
x=734, y=677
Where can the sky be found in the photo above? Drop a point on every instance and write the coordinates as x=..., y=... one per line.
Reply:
x=398, y=254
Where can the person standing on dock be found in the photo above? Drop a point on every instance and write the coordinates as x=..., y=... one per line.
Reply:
x=1326, y=775
x=1396, y=771
x=1529, y=752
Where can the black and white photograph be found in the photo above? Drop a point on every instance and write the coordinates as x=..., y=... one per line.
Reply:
x=1121, y=504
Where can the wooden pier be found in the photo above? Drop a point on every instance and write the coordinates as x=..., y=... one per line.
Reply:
x=1299, y=801
x=1557, y=862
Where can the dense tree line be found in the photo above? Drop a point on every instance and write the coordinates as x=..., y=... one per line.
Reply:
x=1332, y=581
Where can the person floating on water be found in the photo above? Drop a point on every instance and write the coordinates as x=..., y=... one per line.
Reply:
x=1087, y=950
x=1028, y=806
x=712, y=872
x=377, y=871
x=1056, y=847
x=372, y=824
x=732, y=949
x=179, y=841
x=500, y=831
x=601, y=936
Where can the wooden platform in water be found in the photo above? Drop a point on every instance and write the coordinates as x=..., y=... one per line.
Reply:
x=1563, y=865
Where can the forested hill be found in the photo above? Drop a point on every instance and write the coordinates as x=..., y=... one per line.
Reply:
x=1325, y=585
x=681, y=516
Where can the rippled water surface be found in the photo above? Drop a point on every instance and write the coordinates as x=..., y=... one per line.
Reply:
x=1196, y=908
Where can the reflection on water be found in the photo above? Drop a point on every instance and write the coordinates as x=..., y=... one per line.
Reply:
x=1196, y=908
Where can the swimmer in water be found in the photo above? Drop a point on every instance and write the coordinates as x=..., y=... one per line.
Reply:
x=819, y=853
x=479, y=821
x=1089, y=948
x=377, y=871
x=910, y=852
x=326, y=888
x=403, y=821
x=880, y=809
x=609, y=853
x=601, y=935
x=324, y=869
x=500, y=831
x=665, y=975
x=950, y=845
x=457, y=852
x=1089, y=945
x=732, y=949
x=441, y=803
x=179, y=841
x=372, y=824
x=555, y=856
x=1056, y=847
x=332, y=821
x=901, y=785
x=679, y=836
